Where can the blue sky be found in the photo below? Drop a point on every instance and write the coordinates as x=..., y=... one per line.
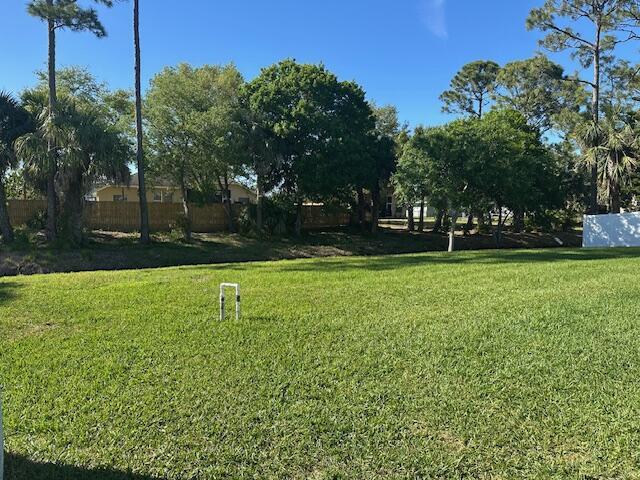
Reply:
x=402, y=52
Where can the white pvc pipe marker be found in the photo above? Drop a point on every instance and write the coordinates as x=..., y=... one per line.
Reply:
x=223, y=299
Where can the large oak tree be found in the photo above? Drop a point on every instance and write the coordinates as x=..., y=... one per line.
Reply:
x=320, y=127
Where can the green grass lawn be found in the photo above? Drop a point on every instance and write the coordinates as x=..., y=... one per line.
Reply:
x=520, y=364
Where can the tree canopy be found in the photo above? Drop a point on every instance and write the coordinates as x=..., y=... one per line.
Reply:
x=318, y=125
x=471, y=88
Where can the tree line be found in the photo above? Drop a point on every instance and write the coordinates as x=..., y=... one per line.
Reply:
x=532, y=142
x=553, y=143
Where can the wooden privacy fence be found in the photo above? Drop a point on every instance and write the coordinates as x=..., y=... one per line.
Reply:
x=125, y=216
x=315, y=217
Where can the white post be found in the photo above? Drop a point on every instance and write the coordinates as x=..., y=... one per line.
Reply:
x=237, y=303
x=222, y=299
x=452, y=230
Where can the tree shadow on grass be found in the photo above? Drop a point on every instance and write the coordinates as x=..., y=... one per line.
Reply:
x=496, y=257
x=7, y=291
x=18, y=467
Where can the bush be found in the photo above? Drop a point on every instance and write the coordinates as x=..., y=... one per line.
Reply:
x=278, y=217
x=180, y=229
x=246, y=221
x=552, y=221
x=24, y=238
x=38, y=221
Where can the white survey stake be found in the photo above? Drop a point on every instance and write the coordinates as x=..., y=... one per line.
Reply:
x=224, y=286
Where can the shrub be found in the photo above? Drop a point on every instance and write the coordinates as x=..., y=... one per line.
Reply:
x=38, y=221
x=180, y=229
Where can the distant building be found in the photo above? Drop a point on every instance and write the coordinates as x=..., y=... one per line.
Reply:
x=392, y=208
x=162, y=191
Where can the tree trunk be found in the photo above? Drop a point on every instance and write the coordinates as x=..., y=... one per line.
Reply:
x=439, y=217
x=595, y=113
x=259, y=204
x=469, y=226
x=72, y=221
x=5, y=223
x=481, y=221
x=375, y=207
x=142, y=188
x=614, y=195
x=518, y=221
x=411, y=224
x=452, y=231
x=186, y=211
x=51, y=226
x=499, y=229
x=226, y=203
x=298, y=227
x=421, y=218
x=361, y=208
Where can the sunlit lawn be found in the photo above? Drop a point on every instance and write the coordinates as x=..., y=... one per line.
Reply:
x=522, y=364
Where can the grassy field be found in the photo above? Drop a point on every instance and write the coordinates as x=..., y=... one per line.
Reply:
x=521, y=364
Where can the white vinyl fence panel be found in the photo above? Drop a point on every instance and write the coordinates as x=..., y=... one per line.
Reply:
x=622, y=230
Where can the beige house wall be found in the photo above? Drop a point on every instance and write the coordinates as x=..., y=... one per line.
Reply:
x=239, y=194
x=108, y=194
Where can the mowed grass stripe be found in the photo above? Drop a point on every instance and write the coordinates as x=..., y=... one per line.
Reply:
x=495, y=365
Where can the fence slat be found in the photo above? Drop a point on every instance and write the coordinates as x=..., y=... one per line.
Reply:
x=125, y=216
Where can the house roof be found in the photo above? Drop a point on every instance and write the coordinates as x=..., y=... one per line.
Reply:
x=155, y=182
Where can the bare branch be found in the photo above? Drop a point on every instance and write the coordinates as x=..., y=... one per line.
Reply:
x=579, y=80
x=569, y=34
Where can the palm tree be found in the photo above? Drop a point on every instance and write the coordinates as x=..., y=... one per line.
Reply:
x=142, y=190
x=60, y=14
x=14, y=122
x=617, y=151
x=95, y=150
x=89, y=147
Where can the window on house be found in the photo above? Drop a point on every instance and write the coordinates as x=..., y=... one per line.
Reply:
x=243, y=200
x=157, y=196
x=167, y=197
x=119, y=198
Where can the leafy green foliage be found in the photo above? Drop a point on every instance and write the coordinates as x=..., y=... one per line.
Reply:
x=15, y=121
x=519, y=172
x=537, y=88
x=617, y=151
x=195, y=125
x=609, y=23
x=410, y=179
x=498, y=161
x=560, y=20
x=471, y=89
x=318, y=126
x=68, y=14
x=90, y=146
